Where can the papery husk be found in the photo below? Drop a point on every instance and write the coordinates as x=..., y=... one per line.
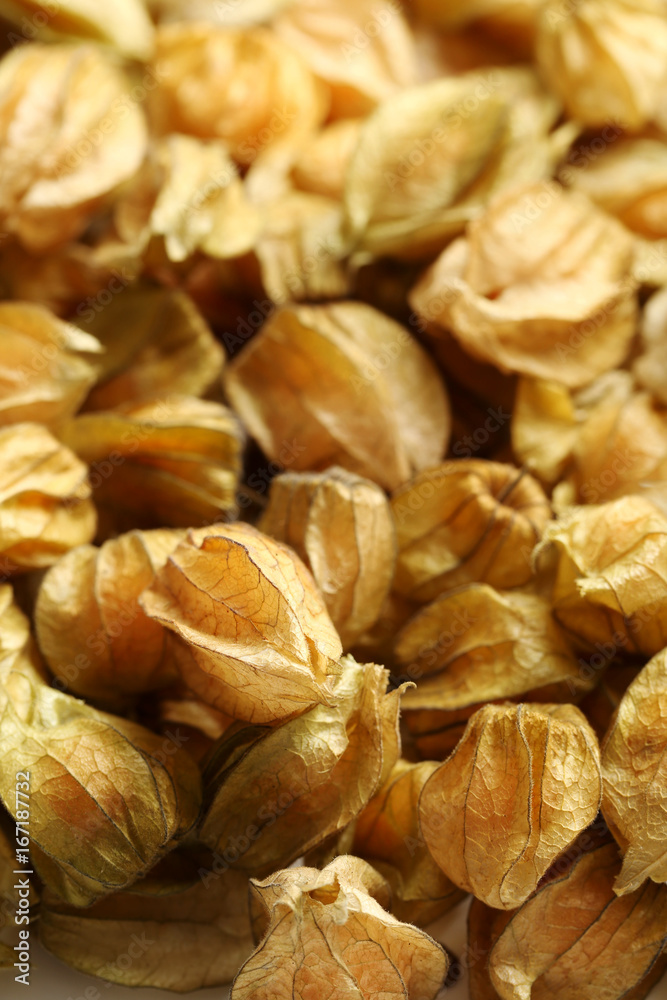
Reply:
x=387, y=835
x=183, y=928
x=47, y=366
x=341, y=384
x=610, y=587
x=476, y=644
x=256, y=640
x=466, y=521
x=224, y=83
x=429, y=159
x=600, y=704
x=271, y=795
x=172, y=460
x=107, y=797
x=299, y=249
x=650, y=368
x=45, y=502
x=627, y=179
x=202, y=203
x=327, y=931
x=95, y=638
x=605, y=58
x=634, y=799
x=364, y=53
x=129, y=31
x=341, y=526
x=155, y=342
x=82, y=134
x=574, y=934
x=322, y=163
x=603, y=442
x=520, y=786
x=560, y=305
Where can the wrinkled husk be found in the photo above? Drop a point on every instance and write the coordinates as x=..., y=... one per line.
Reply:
x=520, y=786
x=107, y=797
x=44, y=499
x=172, y=460
x=466, y=521
x=341, y=526
x=323, y=933
x=95, y=638
x=270, y=795
x=341, y=384
x=541, y=285
x=634, y=800
x=254, y=637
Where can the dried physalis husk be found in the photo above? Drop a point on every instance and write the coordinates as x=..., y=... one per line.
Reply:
x=341, y=384
x=520, y=786
x=255, y=637
x=428, y=159
x=610, y=588
x=364, y=52
x=605, y=58
x=174, y=460
x=95, y=638
x=129, y=31
x=9, y=897
x=576, y=938
x=299, y=249
x=202, y=202
x=46, y=366
x=341, y=526
x=155, y=342
x=541, y=285
x=650, y=368
x=195, y=925
x=326, y=934
x=270, y=795
x=387, y=835
x=248, y=88
x=514, y=16
x=107, y=797
x=466, y=521
x=602, y=442
x=634, y=791
x=476, y=644
x=82, y=134
x=627, y=179
x=45, y=505
x=322, y=163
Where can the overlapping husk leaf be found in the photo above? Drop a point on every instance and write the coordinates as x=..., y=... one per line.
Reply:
x=341, y=526
x=326, y=932
x=541, y=285
x=129, y=31
x=287, y=386
x=95, y=638
x=466, y=521
x=44, y=499
x=172, y=460
x=273, y=794
x=255, y=638
x=107, y=797
x=81, y=136
x=387, y=835
x=634, y=799
x=610, y=586
x=182, y=931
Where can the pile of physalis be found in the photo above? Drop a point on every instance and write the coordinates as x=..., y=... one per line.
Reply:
x=333, y=495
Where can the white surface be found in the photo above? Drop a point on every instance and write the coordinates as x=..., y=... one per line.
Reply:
x=51, y=980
